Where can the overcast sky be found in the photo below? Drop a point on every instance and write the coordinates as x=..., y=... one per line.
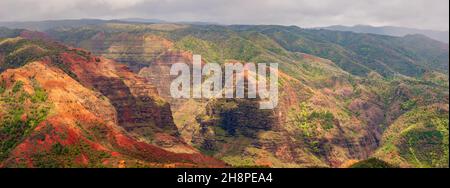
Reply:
x=423, y=14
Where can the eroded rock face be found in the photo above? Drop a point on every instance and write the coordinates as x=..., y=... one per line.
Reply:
x=140, y=109
x=344, y=120
x=214, y=128
x=158, y=72
x=81, y=110
x=135, y=50
x=185, y=111
x=82, y=129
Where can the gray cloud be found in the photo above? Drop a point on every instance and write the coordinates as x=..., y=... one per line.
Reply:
x=424, y=14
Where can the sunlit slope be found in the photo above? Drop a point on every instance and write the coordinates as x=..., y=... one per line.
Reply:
x=340, y=92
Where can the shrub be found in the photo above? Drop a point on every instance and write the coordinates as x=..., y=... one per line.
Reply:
x=372, y=163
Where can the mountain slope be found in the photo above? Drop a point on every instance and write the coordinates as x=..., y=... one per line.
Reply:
x=341, y=93
x=392, y=31
x=361, y=53
x=59, y=110
x=358, y=54
x=418, y=138
x=330, y=112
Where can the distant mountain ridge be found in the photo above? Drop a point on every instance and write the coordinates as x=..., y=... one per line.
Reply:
x=442, y=36
x=50, y=24
x=357, y=53
x=75, y=23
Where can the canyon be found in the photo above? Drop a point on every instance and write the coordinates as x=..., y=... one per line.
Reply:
x=343, y=97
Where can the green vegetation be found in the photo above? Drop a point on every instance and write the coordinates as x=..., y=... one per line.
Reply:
x=423, y=147
x=58, y=62
x=20, y=117
x=419, y=138
x=312, y=125
x=326, y=119
x=356, y=53
x=408, y=105
x=360, y=53
x=2, y=86
x=17, y=52
x=39, y=95
x=238, y=161
x=210, y=52
x=61, y=156
x=372, y=163
x=308, y=120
